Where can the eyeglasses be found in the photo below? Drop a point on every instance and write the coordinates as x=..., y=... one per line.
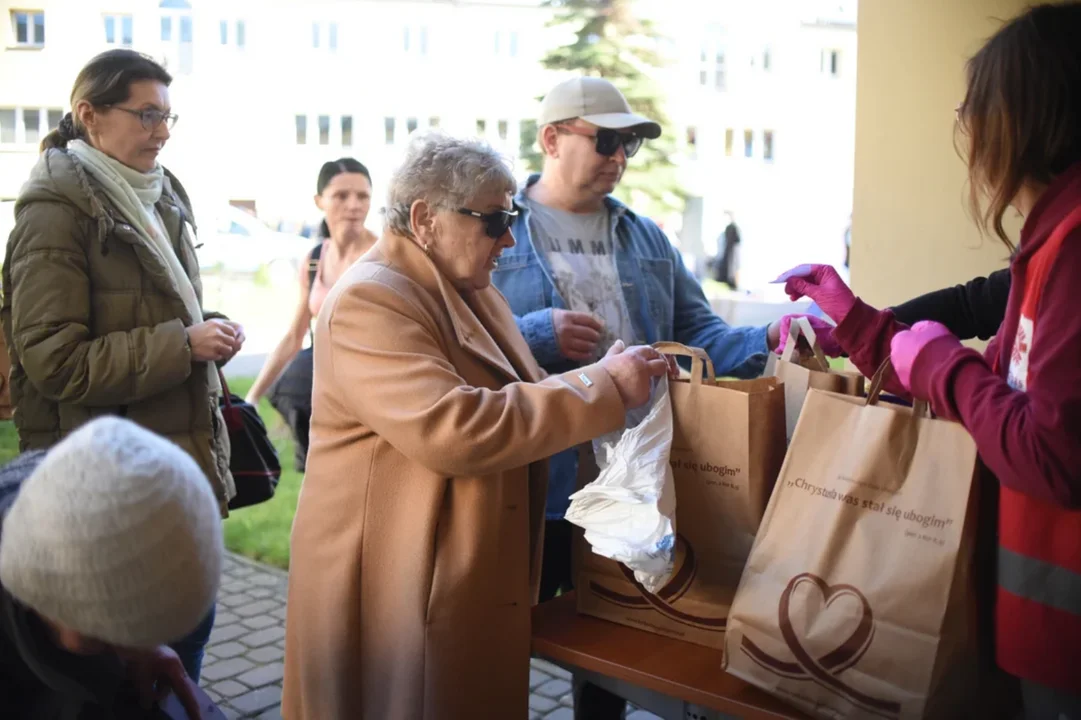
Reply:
x=150, y=118
x=496, y=223
x=608, y=140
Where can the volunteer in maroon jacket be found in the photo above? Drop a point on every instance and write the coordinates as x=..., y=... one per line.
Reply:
x=1019, y=129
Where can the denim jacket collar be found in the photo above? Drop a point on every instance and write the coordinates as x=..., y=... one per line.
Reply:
x=617, y=208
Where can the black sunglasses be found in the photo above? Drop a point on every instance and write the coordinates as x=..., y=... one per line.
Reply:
x=495, y=223
x=608, y=140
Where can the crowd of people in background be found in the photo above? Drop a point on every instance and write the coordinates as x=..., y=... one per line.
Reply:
x=458, y=363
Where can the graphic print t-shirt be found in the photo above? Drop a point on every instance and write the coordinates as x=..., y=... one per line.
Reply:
x=580, y=251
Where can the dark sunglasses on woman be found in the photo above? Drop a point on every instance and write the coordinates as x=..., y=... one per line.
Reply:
x=495, y=223
x=608, y=140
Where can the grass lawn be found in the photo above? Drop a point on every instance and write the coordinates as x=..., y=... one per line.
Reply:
x=261, y=531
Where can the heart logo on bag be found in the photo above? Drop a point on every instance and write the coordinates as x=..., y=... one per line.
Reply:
x=686, y=569
x=822, y=605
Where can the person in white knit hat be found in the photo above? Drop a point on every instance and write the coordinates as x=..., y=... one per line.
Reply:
x=109, y=548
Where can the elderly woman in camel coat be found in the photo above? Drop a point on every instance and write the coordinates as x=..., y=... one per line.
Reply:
x=416, y=545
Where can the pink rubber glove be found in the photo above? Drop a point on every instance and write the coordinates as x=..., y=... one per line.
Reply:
x=906, y=346
x=823, y=331
x=822, y=284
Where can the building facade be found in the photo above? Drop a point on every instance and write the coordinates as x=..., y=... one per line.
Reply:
x=761, y=94
x=765, y=98
x=268, y=90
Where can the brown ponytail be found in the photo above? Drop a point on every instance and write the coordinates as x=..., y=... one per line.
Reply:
x=62, y=135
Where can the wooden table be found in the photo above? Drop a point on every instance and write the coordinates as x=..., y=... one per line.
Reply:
x=671, y=678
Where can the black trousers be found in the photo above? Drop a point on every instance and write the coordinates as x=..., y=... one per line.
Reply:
x=590, y=702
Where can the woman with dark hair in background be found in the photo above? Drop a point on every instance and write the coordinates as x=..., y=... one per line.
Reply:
x=102, y=302
x=344, y=194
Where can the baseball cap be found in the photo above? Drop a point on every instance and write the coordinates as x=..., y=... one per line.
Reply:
x=594, y=100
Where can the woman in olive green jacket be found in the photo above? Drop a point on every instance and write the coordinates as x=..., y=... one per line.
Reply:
x=102, y=300
x=102, y=303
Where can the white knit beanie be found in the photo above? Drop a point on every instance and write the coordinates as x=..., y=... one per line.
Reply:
x=116, y=535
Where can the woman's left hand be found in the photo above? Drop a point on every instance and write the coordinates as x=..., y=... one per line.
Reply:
x=238, y=338
x=906, y=346
x=155, y=673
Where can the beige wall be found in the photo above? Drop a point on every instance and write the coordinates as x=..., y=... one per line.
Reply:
x=910, y=229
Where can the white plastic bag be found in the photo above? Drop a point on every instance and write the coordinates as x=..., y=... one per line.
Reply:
x=629, y=512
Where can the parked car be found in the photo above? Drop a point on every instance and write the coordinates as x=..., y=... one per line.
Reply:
x=238, y=242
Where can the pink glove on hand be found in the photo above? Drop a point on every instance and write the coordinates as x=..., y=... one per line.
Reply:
x=823, y=331
x=906, y=346
x=822, y=284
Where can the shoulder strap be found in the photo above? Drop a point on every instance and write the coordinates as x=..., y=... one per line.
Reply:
x=313, y=266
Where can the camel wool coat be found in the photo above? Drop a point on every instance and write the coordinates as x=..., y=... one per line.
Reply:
x=417, y=541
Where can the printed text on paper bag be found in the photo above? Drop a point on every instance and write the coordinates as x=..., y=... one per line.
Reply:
x=721, y=471
x=914, y=517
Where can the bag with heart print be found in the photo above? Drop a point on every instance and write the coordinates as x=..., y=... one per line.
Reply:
x=857, y=599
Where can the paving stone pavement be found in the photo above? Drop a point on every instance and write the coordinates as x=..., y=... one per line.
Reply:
x=244, y=659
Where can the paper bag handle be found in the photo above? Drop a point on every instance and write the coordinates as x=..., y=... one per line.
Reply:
x=920, y=408
x=800, y=326
x=698, y=357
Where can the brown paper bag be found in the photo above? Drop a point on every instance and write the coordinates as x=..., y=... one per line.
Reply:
x=727, y=446
x=857, y=599
x=803, y=366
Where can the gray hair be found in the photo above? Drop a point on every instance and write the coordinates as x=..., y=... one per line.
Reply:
x=447, y=173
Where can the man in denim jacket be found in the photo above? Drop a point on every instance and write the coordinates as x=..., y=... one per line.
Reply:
x=587, y=270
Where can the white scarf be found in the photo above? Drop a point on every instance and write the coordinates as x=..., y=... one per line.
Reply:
x=135, y=195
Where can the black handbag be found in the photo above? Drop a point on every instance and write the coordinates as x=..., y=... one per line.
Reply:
x=253, y=460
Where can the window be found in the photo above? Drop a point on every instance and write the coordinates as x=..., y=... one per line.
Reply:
x=29, y=27
x=410, y=125
x=347, y=130
x=748, y=143
x=32, y=125
x=692, y=138
x=405, y=39
x=482, y=127
x=240, y=34
x=224, y=32
x=7, y=126
x=118, y=30
x=185, y=29
x=513, y=50
x=166, y=29
x=324, y=129
x=315, y=35
x=703, y=78
x=388, y=130
x=729, y=141
x=831, y=63
x=302, y=130
x=767, y=60
x=423, y=40
x=720, y=80
x=55, y=116
x=502, y=129
x=332, y=36
x=433, y=122
x=767, y=145
x=498, y=36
